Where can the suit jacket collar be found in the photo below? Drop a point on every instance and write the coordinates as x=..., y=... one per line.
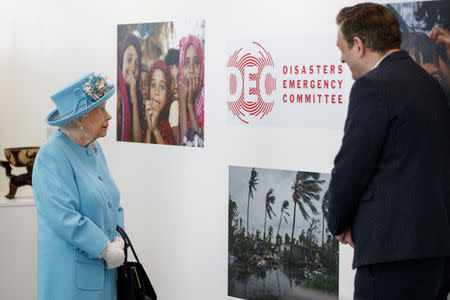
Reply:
x=394, y=56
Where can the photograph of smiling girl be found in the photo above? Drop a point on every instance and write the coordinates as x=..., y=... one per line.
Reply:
x=160, y=83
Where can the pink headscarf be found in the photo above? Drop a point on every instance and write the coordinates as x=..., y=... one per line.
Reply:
x=122, y=91
x=200, y=101
x=129, y=40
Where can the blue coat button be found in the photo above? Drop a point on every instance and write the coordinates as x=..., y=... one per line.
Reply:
x=109, y=204
x=100, y=178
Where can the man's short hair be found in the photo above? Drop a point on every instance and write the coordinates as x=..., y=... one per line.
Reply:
x=374, y=24
x=421, y=47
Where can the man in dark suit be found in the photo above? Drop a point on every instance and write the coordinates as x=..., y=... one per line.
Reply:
x=390, y=186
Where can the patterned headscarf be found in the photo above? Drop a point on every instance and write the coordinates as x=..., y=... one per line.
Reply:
x=200, y=101
x=184, y=43
x=160, y=64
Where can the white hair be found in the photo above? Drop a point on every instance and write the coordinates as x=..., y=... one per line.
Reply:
x=71, y=125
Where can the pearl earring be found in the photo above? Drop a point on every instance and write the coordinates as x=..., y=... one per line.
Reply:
x=81, y=128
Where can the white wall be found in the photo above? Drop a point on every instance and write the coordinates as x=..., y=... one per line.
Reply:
x=175, y=198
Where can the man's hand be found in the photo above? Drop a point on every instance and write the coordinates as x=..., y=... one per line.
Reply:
x=346, y=238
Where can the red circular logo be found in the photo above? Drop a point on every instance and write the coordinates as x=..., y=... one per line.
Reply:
x=251, y=83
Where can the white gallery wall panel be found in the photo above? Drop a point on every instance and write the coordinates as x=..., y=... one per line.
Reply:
x=175, y=198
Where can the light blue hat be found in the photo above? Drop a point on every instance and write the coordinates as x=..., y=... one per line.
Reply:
x=79, y=97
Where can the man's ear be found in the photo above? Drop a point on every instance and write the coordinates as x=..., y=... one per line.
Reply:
x=360, y=46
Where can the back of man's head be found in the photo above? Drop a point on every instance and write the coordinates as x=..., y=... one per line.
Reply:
x=374, y=24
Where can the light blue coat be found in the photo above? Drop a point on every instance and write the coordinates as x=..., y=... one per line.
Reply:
x=77, y=210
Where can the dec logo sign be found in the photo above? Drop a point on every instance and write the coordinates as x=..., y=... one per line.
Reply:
x=251, y=83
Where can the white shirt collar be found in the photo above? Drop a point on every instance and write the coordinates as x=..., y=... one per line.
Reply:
x=376, y=65
x=381, y=59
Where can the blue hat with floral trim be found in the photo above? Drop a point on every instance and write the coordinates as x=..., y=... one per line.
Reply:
x=79, y=97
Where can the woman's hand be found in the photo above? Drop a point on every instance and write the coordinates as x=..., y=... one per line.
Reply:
x=113, y=254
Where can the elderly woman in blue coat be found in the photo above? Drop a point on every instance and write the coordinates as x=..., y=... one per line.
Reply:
x=77, y=201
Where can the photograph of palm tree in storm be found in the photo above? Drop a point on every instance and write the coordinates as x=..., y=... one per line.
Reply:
x=279, y=246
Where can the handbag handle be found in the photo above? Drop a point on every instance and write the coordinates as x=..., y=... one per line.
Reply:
x=127, y=240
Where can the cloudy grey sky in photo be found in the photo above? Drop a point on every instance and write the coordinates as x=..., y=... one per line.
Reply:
x=281, y=181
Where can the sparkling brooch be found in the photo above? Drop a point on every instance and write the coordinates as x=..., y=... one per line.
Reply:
x=96, y=87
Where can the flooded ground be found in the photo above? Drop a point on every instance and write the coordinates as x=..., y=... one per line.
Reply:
x=282, y=283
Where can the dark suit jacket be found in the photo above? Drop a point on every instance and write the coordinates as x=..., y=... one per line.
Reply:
x=390, y=181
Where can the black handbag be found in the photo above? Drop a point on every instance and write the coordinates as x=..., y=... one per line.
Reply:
x=132, y=281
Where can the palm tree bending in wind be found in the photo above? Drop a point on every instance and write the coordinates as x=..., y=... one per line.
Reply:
x=251, y=187
x=270, y=200
x=307, y=187
x=284, y=208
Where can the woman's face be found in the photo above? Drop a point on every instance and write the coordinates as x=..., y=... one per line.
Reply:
x=130, y=62
x=158, y=90
x=96, y=122
x=192, y=64
x=173, y=70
